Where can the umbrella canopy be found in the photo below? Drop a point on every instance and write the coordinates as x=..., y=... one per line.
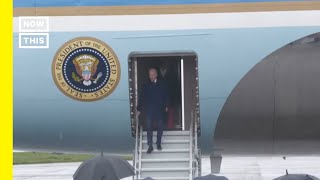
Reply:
x=211, y=177
x=296, y=177
x=104, y=168
x=148, y=178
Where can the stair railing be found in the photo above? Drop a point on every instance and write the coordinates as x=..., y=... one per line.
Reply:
x=135, y=158
x=195, y=158
x=137, y=150
x=191, y=175
x=140, y=151
x=196, y=151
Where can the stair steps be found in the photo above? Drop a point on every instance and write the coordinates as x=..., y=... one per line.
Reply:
x=170, y=163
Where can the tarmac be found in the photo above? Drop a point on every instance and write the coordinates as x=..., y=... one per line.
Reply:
x=232, y=167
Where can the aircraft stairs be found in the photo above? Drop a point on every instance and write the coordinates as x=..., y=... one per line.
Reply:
x=179, y=158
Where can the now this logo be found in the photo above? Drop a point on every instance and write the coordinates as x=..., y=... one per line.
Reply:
x=33, y=32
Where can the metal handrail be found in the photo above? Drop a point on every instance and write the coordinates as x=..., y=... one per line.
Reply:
x=140, y=152
x=137, y=152
x=194, y=151
x=191, y=153
x=136, y=146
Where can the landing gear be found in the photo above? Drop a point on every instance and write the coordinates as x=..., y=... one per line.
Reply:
x=215, y=161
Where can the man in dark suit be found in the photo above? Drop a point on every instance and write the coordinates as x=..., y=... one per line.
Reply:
x=153, y=101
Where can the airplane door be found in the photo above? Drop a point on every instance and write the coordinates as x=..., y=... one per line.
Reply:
x=133, y=92
x=190, y=91
x=180, y=71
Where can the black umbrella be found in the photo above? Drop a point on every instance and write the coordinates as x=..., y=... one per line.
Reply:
x=148, y=178
x=211, y=177
x=296, y=177
x=104, y=168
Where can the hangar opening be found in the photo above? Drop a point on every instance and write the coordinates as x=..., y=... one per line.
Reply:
x=180, y=73
x=275, y=108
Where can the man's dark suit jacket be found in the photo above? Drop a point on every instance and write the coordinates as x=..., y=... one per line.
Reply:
x=154, y=97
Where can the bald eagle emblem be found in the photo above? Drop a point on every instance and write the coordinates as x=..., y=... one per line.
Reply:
x=86, y=67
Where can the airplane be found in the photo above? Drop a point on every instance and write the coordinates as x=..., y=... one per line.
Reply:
x=245, y=71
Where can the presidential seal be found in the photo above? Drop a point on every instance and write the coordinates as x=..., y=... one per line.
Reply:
x=86, y=69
